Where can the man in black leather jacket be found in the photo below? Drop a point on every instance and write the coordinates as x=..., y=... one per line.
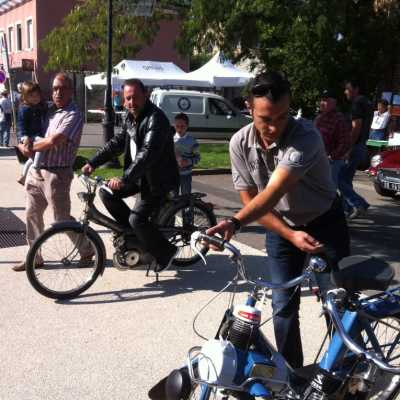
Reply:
x=149, y=168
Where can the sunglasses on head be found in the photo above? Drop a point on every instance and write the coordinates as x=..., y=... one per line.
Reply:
x=270, y=91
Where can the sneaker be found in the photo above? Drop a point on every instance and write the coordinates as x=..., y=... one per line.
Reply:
x=22, y=266
x=86, y=261
x=357, y=212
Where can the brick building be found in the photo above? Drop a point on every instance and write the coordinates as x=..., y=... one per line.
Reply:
x=26, y=22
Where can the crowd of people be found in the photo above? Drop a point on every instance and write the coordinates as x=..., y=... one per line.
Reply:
x=293, y=177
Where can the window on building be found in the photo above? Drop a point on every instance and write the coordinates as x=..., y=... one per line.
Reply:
x=10, y=39
x=19, y=37
x=29, y=34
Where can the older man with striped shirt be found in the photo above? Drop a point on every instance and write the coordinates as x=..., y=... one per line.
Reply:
x=59, y=148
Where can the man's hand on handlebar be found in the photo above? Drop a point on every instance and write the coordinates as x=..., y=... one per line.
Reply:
x=87, y=169
x=305, y=242
x=115, y=184
x=225, y=228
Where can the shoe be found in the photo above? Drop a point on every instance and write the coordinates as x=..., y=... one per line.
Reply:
x=163, y=266
x=21, y=180
x=22, y=266
x=357, y=212
x=86, y=261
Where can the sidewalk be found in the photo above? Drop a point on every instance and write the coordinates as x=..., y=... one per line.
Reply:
x=124, y=334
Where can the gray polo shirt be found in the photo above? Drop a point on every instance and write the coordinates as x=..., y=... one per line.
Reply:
x=300, y=149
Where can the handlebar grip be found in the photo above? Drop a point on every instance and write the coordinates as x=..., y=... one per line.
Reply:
x=218, y=242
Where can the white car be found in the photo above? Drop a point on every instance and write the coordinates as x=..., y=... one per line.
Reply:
x=210, y=115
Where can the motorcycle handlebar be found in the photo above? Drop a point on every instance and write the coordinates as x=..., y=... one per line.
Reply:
x=224, y=244
x=331, y=308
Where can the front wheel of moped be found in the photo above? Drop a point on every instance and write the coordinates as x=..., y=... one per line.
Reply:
x=64, y=261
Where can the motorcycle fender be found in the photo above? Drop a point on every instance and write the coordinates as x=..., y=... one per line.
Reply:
x=79, y=227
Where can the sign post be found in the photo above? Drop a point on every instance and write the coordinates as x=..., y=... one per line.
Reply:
x=6, y=68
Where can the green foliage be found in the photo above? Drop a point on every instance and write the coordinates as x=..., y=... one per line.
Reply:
x=213, y=155
x=318, y=43
x=81, y=41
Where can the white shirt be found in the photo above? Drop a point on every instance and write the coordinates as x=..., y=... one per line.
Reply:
x=380, y=120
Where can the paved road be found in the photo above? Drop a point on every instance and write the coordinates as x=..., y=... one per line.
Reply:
x=125, y=333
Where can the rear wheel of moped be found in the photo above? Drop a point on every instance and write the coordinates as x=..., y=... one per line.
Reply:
x=55, y=267
x=179, y=222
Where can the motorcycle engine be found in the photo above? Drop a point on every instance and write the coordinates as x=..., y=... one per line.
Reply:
x=128, y=253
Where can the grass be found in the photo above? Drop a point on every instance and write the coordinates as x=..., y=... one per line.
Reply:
x=214, y=155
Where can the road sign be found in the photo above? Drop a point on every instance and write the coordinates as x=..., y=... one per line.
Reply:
x=2, y=77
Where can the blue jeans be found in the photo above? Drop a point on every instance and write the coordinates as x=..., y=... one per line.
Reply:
x=346, y=176
x=5, y=128
x=336, y=166
x=377, y=134
x=185, y=182
x=285, y=262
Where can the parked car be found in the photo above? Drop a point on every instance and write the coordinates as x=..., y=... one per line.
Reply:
x=211, y=116
x=385, y=170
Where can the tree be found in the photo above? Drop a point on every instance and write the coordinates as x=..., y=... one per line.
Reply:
x=81, y=41
x=318, y=43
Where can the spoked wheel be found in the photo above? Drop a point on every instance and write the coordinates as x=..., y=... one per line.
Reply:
x=55, y=266
x=180, y=222
x=387, y=333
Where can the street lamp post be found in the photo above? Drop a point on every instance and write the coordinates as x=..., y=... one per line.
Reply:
x=109, y=117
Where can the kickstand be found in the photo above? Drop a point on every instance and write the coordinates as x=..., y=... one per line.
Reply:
x=148, y=270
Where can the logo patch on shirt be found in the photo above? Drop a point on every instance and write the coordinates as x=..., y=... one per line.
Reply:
x=296, y=157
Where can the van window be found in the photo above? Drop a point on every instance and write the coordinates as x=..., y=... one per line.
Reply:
x=186, y=104
x=219, y=107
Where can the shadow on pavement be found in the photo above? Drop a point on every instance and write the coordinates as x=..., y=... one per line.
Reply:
x=364, y=231
x=212, y=277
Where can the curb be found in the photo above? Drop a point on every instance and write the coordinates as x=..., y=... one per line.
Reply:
x=211, y=171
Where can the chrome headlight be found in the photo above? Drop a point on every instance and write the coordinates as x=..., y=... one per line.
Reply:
x=376, y=160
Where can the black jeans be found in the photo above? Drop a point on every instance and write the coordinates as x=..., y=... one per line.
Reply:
x=139, y=219
x=285, y=262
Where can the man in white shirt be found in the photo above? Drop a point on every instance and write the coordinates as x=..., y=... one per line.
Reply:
x=5, y=121
x=380, y=121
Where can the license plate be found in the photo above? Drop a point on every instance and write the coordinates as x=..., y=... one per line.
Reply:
x=392, y=186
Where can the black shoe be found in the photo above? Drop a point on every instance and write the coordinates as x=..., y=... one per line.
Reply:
x=21, y=158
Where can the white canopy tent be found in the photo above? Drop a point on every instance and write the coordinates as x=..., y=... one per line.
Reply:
x=220, y=72
x=151, y=73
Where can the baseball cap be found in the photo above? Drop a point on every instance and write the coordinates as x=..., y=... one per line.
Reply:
x=328, y=93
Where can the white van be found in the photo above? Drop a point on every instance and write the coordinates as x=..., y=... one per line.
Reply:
x=211, y=116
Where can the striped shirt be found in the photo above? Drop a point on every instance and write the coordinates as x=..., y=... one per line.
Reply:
x=67, y=121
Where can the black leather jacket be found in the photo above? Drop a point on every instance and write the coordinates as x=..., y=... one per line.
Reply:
x=155, y=165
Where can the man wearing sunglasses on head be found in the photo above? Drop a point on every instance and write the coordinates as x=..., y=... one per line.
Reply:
x=282, y=172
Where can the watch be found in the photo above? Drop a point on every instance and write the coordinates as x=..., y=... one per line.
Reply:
x=236, y=223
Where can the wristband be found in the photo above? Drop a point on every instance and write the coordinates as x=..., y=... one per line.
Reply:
x=236, y=223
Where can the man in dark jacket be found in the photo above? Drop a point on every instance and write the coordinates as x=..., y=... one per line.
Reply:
x=149, y=168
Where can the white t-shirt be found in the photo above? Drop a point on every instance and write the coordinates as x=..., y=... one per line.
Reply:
x=380, y=120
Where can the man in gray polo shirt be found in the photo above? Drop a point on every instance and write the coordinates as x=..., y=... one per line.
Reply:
x=281, y=170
